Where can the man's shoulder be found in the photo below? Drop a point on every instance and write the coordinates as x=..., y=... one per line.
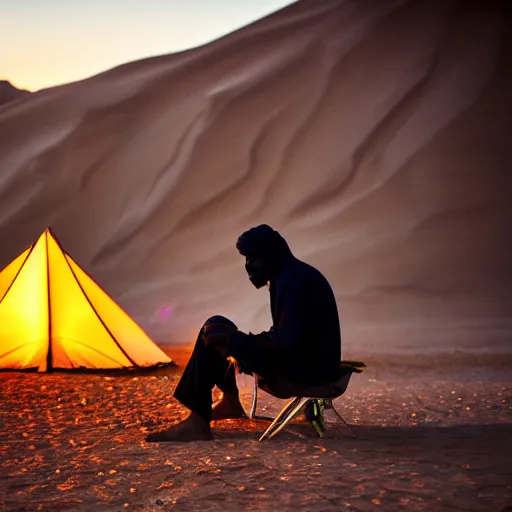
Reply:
x=299, y=271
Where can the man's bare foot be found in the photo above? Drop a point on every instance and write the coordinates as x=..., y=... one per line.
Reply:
x=194, y=428
x=228, y=407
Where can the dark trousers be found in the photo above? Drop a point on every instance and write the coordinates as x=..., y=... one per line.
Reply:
x=205, y=369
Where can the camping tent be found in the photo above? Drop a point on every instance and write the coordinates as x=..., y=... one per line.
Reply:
x=54, y=316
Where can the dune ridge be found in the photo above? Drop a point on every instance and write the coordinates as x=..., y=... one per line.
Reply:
x=9, y=92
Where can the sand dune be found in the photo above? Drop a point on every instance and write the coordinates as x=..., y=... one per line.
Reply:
x=10, y=93
x=374, y=135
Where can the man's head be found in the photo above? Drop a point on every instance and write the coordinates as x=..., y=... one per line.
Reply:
x=264, y=249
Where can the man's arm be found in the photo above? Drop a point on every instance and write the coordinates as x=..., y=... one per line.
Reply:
x=284, y=336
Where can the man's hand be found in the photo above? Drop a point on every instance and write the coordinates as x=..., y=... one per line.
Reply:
x=214, y=332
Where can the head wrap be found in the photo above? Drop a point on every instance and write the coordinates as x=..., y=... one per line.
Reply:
x=265, y=251
x=261, y=242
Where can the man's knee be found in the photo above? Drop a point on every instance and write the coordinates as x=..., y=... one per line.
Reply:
x=219, y=319
x=217, y=331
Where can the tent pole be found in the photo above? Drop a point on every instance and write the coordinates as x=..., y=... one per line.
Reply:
x=49, y=361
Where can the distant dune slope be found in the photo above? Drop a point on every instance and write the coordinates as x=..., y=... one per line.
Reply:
x=375, y=135
x=10, y=93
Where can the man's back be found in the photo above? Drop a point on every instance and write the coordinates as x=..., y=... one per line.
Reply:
x=305, y=320
x=304, y=342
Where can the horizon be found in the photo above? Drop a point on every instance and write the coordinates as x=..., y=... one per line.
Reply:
x=45, y=44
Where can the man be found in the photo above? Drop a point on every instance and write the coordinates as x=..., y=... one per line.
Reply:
x=303, y=345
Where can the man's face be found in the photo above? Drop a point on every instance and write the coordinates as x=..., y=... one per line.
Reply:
x=257, y=270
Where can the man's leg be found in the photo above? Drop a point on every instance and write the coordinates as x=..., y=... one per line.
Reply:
x=205, y=369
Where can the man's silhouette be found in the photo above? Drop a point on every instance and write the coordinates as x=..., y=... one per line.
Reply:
x=302, y=346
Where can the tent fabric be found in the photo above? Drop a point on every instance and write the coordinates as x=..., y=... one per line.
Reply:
x=53, y=315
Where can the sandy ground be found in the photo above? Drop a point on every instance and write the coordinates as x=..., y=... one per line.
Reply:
x=431, y=436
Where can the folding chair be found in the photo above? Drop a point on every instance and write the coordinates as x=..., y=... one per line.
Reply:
x=301, y=395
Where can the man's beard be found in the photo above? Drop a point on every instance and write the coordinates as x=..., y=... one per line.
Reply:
x=259, y=275
x=258, y=280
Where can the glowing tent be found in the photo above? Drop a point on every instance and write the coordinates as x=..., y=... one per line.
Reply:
x=54, y=316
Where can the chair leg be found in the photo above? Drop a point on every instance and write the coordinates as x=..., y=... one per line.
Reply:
x=252, y=413
x=285, y=416
x=290, y=416
x=282, y=413
x=347, y=426
x=327, y=403
x=291, y=404
x=290, y=410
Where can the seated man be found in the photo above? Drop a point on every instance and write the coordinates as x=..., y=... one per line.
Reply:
x=303, y=345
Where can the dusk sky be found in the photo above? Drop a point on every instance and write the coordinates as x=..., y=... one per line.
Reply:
x=50, y=42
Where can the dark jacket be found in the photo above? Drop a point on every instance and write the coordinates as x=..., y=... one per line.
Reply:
x=304, y=343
